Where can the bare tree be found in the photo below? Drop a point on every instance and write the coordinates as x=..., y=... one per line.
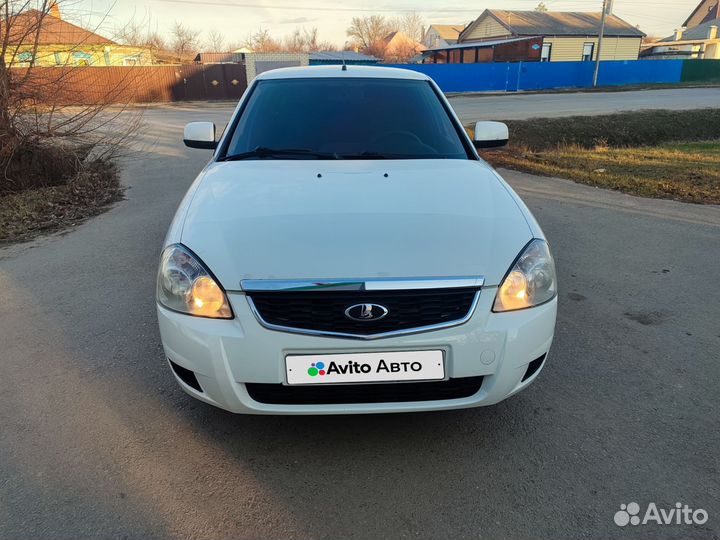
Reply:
x=300, y=40
x=215, y=41
x=412, y=25
x=326, y=45
x=234, y=45
x=138, y=34
x=368, y=32
x=371, y=33
x=184, y=40
x=33, y=120
x=155, y=41
x=262, y=41
x=132, y=33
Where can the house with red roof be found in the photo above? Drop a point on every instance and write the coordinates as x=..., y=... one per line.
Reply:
x=38, y=38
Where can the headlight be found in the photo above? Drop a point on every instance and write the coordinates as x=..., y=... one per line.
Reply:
x=530, y=282
x=185, y=285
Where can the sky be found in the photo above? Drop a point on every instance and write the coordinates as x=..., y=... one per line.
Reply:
x=236, y=19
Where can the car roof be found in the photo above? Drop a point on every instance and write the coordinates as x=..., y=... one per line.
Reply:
x=318, y=72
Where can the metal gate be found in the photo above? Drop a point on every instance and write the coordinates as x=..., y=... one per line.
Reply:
x=211, y=81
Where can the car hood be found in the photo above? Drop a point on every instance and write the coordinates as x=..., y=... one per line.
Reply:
x=308, y=219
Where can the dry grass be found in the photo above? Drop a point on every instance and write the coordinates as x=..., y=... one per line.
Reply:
x=683, y=171
x=32, y=212
x=633, y=152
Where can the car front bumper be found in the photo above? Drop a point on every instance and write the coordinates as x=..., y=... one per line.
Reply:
x=225, y=355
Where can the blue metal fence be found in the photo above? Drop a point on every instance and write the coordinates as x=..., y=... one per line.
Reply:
x=513, y=77
x=641, y=72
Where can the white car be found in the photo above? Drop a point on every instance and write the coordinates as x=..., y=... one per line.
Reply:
x=347, y=251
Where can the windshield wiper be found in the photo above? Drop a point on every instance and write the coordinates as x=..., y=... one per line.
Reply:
x=265, y=152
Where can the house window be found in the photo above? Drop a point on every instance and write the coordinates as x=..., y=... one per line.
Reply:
x=24, y=59
x=82, y=59
x=588, y=49
x=546, y=52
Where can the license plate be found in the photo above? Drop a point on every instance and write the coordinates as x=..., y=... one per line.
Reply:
x=365, y=367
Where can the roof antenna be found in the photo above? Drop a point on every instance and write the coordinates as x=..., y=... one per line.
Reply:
x=342, y=57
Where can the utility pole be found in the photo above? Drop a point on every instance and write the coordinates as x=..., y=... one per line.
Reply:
x=607, y=6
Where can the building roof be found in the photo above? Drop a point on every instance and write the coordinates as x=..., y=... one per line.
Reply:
x=559, y=23
x=448, y=31
x=400, y=37
x=478, y=44
x=696, y=33
x=706, y=10
x=53, y=31
x=391, y=36
x=348, y=56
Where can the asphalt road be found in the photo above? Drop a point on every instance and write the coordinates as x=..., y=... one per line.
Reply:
x=523, y=105
x=97, y=441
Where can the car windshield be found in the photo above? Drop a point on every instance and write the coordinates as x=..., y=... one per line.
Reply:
x=350, y=118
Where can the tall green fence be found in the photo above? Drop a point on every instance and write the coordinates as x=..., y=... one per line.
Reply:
x=699, y=71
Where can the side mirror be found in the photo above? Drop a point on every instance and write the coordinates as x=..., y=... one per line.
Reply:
x=490, y=135
x=200, y=135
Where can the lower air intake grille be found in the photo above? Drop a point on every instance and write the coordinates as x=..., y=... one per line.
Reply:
x=186, y=376
x=278, y=394
x=324, y=311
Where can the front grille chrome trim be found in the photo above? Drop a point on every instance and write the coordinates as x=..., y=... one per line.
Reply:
x=394, y=333
x=360, y=284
